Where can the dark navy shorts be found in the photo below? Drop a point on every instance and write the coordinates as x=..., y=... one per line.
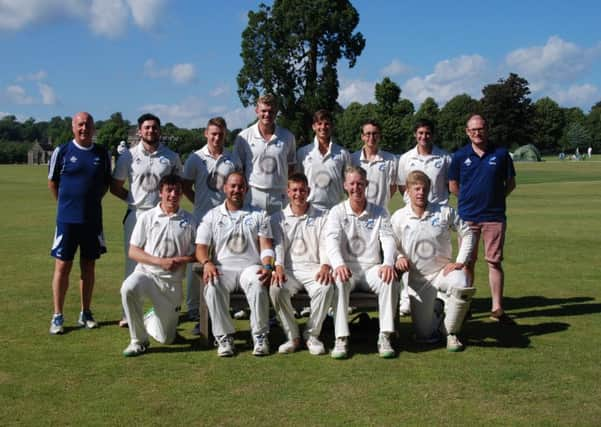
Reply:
x=68, y=237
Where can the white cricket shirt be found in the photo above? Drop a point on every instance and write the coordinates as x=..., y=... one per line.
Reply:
x=435, y=165
x=381, y=174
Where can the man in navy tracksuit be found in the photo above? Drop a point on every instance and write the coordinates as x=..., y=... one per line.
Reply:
x=78, y=177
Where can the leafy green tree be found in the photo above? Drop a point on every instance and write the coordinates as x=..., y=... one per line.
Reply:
x=508, y=111
x=577, y=137
x=59, y=130
x=348, y=124
x=387, y=94
x=112, y=131
x=292, y=49
x=593, y=125
x=10, y=129
x=452, y=120
x=549, y=122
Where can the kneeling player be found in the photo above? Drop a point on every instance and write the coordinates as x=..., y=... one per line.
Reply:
x=423, y=236
x=301, y=263
x=162, y=243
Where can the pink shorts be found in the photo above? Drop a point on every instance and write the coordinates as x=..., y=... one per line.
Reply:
x=493, y=235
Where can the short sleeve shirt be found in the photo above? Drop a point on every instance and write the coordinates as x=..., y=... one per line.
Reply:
x=234, y=236
x=165, y=236
x=265, y=163
x=208, y=174
x=83, y=175
x=381, y=175
x=324, y=172
x=482, y=182
x=435, y=166
x=144, y=170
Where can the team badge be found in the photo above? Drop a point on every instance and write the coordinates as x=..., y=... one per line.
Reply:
x=73, y=159
x=467, y=162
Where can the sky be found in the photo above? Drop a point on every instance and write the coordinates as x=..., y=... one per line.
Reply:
x=179, y=58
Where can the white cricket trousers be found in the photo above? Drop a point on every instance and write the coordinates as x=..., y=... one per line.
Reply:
x=425, y=290
x=266, y=199
x=365, y=280
x=217, y=297
x=161, y=324
x=321, y=299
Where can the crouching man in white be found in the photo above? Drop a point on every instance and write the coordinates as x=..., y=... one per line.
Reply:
x=423, y=237
x=162, y=243
x=358, y=233
x=239, y=239
x=301, y=262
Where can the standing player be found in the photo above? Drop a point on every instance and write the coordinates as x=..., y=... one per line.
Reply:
x=78, y=178
x=240, y=241
x=162, y=243
x=380, y=165
x=323, y=162
x=301, y=262
x=204, y=173
x=482, y=176
x=434, y=162
x=143, y=166
x=267, y=154
x=423, y=237
x=361, y=248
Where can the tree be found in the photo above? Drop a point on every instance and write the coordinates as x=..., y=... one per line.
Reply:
x=59, y=130
x=10, y=129
x=112, y=131
x=508, y=111
x=387, y=95
x=578, y=137
x=452, y=120
x=292, y=50
x=549, y=122
x=593, y=125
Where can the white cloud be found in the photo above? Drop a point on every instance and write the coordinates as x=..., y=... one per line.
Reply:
x=575, y=95
x=104, y=17
x=37, y=76
x=557, y=60
x=395, y=68
x=463, y=74
x=108, y=17
x=146, y=13
x=48, y=94
x=194, y=113
x=17, y=95
x=183, y=73
x=179, y=73
x=355, y=91
x=220, y=90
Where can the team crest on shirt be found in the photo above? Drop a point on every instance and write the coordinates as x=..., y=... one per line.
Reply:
x=438, y=164
x=382, y=167
x=370, y=223
x=73, y=159
x=435, y=222
x=184, y=223
x=249, y=221
x=310, y=222
x=163, y=160
x=493, y=161
x=467, y=162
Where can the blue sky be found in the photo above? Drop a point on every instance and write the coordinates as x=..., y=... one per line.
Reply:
x=180, y=58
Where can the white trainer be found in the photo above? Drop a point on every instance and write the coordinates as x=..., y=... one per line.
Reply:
x=261, y=345
x=453, y=343
x=315, y=346
x=135, y=349
x=225, y=346
x=289, y=346
x=384, y=346
x=340, y=348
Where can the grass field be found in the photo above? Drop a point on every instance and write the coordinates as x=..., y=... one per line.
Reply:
x=546, y=371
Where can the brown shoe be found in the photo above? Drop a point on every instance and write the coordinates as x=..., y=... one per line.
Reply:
x=502, y=317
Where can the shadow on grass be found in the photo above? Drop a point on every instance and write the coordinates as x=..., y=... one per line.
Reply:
x=568, y=306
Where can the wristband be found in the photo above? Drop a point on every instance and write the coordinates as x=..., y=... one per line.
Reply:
x=267, y=252
x=268, y=267
x=203, y=263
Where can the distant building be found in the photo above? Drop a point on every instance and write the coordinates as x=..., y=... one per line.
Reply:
x=39, y=154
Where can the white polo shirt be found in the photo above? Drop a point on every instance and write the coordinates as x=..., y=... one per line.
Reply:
x=381, y=174
x=324, y=172
x=165, y=236
x=265, y=163
x=208, y=174
x=300, y=239
x=234, y=236
x=435, y=165
x=426, y=240
x=359, y=240
x=144, y=170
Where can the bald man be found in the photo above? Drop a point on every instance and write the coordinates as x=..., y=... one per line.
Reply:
x=79, y=175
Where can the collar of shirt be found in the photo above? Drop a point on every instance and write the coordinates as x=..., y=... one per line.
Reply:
x=157, y=152
x=256, y=133
x=316, y=148
x=350, y=211
x=288, y=213
x=175, y=215
x=436, y=152
x=377, y=158
x=206, y=152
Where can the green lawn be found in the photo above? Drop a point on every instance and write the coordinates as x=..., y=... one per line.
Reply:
x=546, y=371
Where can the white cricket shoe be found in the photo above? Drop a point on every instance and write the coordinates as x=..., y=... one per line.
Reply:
x=289, y=346
x=56, y=324
x=384, y=346
x=225, y=345
x=135, y=349
x=86, y=320
x=315, y=346
x=340, y=350
x=453, y=343
x=261, y=345
x=404, y=307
